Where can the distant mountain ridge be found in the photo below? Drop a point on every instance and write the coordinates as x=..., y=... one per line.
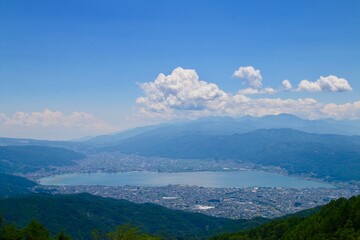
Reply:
x=32, y=157
x=205, y=125
x=229, y=126
x=334, y=157
x=310, y=147
x=108, y=139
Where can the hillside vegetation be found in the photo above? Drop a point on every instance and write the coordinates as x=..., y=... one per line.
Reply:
x=338, y=220
x=29, y=158
x=36, y=231
x=79, y=214
x=87, y=217
x=13, y=185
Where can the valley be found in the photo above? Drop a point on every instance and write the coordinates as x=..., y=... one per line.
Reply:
x=249, y=198
x=184, y=169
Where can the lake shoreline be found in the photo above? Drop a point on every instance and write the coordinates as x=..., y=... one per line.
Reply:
x=243, y=178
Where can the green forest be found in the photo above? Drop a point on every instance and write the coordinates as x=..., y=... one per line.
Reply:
x=79, y=214
x=36, y=231
x=339, y=219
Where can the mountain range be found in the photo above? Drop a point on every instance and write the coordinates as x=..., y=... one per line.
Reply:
x=229, y=126
x=302, y=147
x=325, y=149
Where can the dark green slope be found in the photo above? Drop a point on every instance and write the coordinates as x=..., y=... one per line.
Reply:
x=339, y=219
x=79, y=214
x=28, y=158
x=335, y=157
x=14, y=185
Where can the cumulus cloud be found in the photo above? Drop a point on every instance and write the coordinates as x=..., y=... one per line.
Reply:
x=48, y=118
x=330, y=83
x=286, y=85
x=251, y=75
x=181, y=90
x=183, y=95
x=253, y=80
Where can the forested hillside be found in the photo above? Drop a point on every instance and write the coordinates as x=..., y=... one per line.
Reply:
x=36, y=231
x=79, y=214
x=86, y=217
x=13, y=185
x=29, y=158
x=339, y=219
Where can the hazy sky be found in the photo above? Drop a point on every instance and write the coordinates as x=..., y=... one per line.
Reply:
x=78, y=68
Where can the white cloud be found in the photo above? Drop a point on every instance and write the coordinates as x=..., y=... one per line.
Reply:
x=254, y=80
x=271, y=106
x=286, y=85
x=52, y=125
x=251, y=75
x=180, y=91
x=339, y=111
x=248, y=91
x=182, y=95
x=306, y=85
x=48, y=118
x=330, y=83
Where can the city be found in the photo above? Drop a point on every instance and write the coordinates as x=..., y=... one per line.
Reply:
x=235, y=203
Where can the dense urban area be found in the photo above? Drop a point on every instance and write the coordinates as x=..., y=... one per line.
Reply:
x=220, y=202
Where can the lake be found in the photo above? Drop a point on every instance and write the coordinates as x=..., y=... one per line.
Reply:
x=205, y=179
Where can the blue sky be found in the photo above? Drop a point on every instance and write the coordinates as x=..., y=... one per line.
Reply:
x=90, y=56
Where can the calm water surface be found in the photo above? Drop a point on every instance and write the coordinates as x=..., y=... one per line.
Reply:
x=205, y=179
